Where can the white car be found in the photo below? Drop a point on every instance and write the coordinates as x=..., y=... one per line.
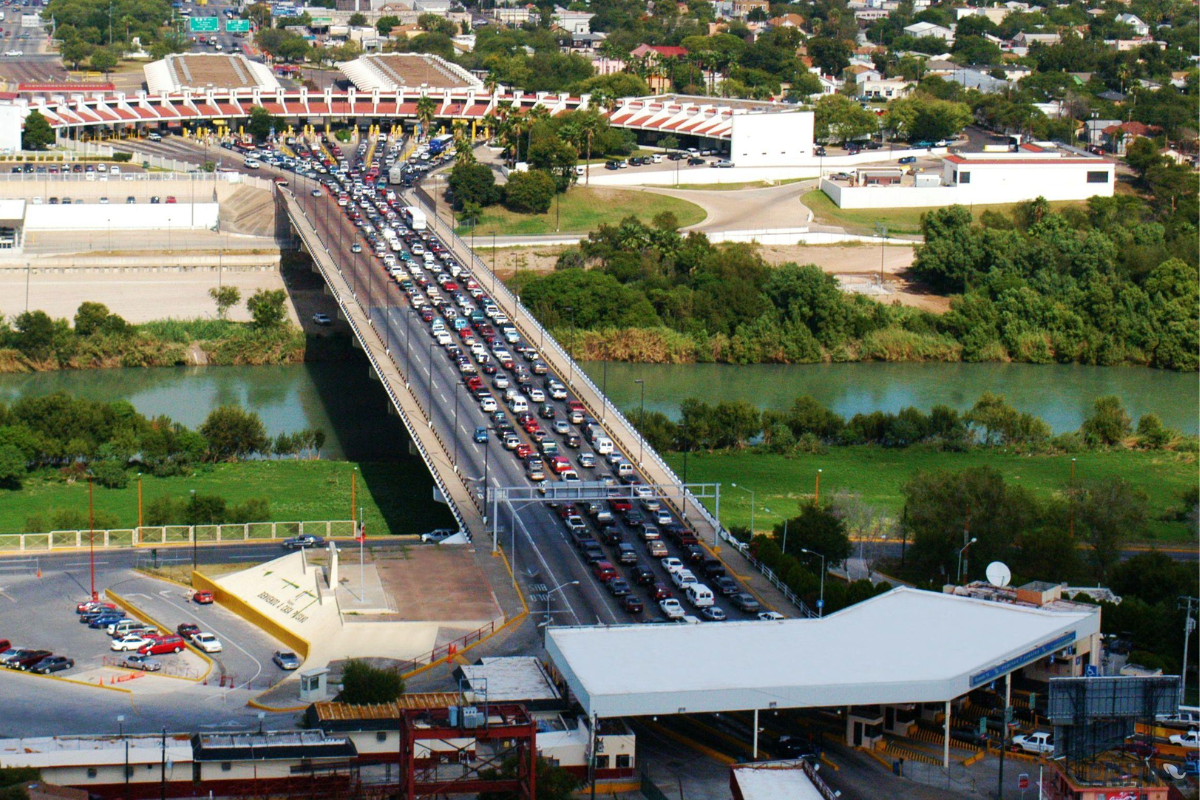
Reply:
x=207, y=642
x=1189, y=739
x=672, y=564
x=770, y=616
x=682, y=578
x=14, y=53
x=130, y=642
x=671, y=608
x=1039, y=743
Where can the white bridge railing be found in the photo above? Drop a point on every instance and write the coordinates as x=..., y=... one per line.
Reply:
x=151, y=535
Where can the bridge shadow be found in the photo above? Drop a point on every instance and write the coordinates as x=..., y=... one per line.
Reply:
x=364, y=432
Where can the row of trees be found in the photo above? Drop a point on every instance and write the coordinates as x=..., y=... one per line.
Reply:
x=79, y=436
x=807, y=426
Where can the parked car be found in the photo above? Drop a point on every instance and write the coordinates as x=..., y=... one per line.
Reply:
x=770, y=616
x=1189, y=739
x=437, y=535
x=187, y=629
x=322, y=319
x=165, y=644
x=1039, y=743
x=304, y=540
x=713, y=613
x=142, y=662
x=908, y=160
x=27, y=659
x=207, y=642
x=286, y=660
x=203, y=598
x=52, y=664
x=130, y=641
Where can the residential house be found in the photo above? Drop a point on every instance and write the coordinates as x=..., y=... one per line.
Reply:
x=995, y=13
x=741, y=8
x=513, y=15
x=860, y=74
x=1024, y=40
x=585, y=42
x=608, y=66
x=1124, y=45
x=573, y=21
x=977, y=79
x=920, y=30
x=1132, y=20
x=885, y=88
x=870, y=14
x=1117, y=138
x=787, y=21
x=657, y=52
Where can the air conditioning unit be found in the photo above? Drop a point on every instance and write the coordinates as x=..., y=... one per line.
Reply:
x=471, y=718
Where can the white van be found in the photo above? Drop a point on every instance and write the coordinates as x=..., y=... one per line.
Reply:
x=518, y=405
x=604, y=446
x=682, y=578
x=624, y=469
x=698, y=595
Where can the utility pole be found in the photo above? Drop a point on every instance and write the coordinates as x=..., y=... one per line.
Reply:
x=1188, y=624
x=163, y=768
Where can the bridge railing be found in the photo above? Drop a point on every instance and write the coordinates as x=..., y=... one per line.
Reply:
x=317, y=246
x=528, y=321
x=158, y=535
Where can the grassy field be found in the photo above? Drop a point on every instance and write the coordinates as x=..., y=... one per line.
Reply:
x=900, y=221
x=877, y=474
x=394, y=496
x=585, y=209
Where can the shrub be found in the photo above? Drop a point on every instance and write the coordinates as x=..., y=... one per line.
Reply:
x=363, y=684
x=529, y=192
x=110, y=474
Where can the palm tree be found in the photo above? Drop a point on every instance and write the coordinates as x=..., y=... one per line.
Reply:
x=426, y=108
x=464, y=152
x=535, y=115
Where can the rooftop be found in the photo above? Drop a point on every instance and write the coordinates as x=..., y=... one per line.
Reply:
x=201, y=71
x=774, y=779
x=510, y=680
x=389, y=72
x=937, y=646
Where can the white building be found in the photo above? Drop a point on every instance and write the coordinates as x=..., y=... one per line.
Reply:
x=1132, y=20
x=968, y=178
x=885, y=89
x=921, y=29
x=769, y=139
x=995, y=13
x=573, y=21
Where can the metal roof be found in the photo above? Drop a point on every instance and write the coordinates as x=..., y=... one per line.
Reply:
x=905, y=646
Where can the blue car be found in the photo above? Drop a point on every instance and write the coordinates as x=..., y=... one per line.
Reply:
x=908, y=160
x=104, y=622
x=481, y=435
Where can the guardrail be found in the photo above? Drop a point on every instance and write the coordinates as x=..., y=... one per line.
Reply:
x=767, y=573
x=159, y=535
x=449, y=649
x=295, y=208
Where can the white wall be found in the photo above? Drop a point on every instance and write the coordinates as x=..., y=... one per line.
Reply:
x=765, y=139
x=119, y=216
x=11, y=118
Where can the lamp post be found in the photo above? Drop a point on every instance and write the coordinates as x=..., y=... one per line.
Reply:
x=641, y=417
x=560, y=587
x=454, y=435
x=821, y=600
x=91, y=539
x=193, y=491
x=817, y=491
x=963, y=549
x=751, y=491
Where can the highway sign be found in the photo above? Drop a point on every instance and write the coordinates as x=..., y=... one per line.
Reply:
x=204, y=24
x=238, y=26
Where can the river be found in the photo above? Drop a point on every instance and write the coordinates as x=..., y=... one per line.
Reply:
x=339, y=397
x=1061, y=394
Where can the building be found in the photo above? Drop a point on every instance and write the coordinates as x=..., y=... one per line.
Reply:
x=995, y=13
x=573, y=21
x=198, y=72
x=657, y=52
x=885, y=88
x=771, y=780
x=920, y=30
x=1118, y=137
x=513, y=15
x=742, y=8
x=1132, y=20
x=1025, y=40
x=390, y=72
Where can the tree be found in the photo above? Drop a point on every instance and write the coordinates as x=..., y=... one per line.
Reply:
x=103, y=60
x=90, y=317
x=204, y=509
x=839, y=118
x=1152, y=433
x=35, y=334
x=261, y=123
x=363, y=684
x=1109, y=423
x=358, y=20
x=553, y=782
x=266, y=307
x=233, y=433
x=831, y=55
x=819, y=529
x=75, y=51
x=12, y=466
x=529, y=192
x=1107, y=513
x=473, y=183
x=920, y=117
x=38, y=135
x=386, y=23
x=226, y=297
x=426, y=109
x=556, y=157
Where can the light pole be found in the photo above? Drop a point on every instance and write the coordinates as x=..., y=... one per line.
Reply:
x=193, y=491
x=817, y=491
x=963, y=549
x=454, y=435
x=821, y=599
x=560, y=587
x=91, y=539
x=641, y=417
x=751, y=491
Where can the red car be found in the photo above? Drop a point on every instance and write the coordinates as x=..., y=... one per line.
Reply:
x=620, y=504
x=166, y=644
x=90, y=605
x=660, y=591
x=567, y=510
x=524, y=450
x=171, y=199
x=203, y=598
x=604, y=570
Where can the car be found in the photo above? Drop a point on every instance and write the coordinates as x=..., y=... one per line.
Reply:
x=91, y=605
x=321, y=319
x=641, y=575
x=1038, y=743
x=725, y=585
x=671, y=608
x=618, y=587
x=315, y=192
x=287, y=660
x=1189, y=739
x=672, y=564
x=713, y=613
x=907, y=160
x=164, y=644
x=302, y=541
x=102, y=622
x=207, y=642
x=52, y=664
x=661, y=591
x=745, y=602
x=356, y=248
x=171, y=200
x=143, y=662
x=632, y=604
x=26, y=659
x=203, y=598
x=626, y=554
x=695, y=161
x=722, y=164
x=154, y=137
x=770, y=616
x=791, y=747
x=130, y=641
x=604, y=570
x=656, y=549
x=481, y=435
x=437, y=535
x=1137, y=747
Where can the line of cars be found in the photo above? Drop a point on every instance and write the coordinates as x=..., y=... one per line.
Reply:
x=30, y=659
x=140, y=642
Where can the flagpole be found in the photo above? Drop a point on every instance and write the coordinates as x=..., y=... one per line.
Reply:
x=362, y=535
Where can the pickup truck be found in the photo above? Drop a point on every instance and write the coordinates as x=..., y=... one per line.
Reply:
x=1189, y=739
x=1039, y=743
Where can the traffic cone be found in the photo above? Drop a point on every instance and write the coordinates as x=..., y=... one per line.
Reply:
x=39, y=570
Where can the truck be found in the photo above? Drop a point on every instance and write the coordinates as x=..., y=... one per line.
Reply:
x=439, y=143
x=416, y=218
x=396, y=175
x=1040, y=743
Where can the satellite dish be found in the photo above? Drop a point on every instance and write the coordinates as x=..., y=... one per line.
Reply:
x=998, y=573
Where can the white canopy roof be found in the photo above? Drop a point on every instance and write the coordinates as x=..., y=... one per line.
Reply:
x=905, y=646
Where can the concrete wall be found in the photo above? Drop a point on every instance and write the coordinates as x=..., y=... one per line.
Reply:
x=11, y=120
x=1007, y=184
x=120, y=216
x=115, y=189
x=765, y=139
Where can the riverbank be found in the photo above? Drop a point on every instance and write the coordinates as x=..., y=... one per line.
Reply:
x=173, y=343
x=877, y=474
x=392, y=495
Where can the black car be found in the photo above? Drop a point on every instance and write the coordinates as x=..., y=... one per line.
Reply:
x=695, y=161
x=793, y=747
x=52, y=664
x=612, y=165
x=302, y=541
x=611, y=534
x=618, y=587
x=642, y=575
x=725, y=585
x=626, y=554
x=593, y=554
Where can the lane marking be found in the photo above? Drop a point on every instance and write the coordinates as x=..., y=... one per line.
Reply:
x=222, y=636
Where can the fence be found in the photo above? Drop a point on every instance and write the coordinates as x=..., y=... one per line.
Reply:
x=174, y=670
x=159, y=535
x=450, y=648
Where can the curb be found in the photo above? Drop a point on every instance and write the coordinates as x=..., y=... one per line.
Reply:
x=75, y=681
x=144, y=617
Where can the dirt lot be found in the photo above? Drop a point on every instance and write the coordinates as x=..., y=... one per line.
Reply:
x=857, y=267
x=436, y=583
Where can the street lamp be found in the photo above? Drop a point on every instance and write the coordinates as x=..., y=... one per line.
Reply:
x=641, y=417
x=751, y=491
x=821, y=600
x=560, y=587
x=193, y=491
x=958, y=577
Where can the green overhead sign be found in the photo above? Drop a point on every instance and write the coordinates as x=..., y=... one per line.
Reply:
x=238, y=26
x=204, y=24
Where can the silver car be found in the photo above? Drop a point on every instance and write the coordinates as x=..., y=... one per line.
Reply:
x=144, y=663
x=286, y=660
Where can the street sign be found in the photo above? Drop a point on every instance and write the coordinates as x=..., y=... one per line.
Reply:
x=1091, y=671
x=238, y=26
x=204, y=24
x=1023, y=781
x=820, y=604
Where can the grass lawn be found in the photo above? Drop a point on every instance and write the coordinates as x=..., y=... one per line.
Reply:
x=585, y=209
x=900, y=221
x=877, y=474
x=394, y=496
